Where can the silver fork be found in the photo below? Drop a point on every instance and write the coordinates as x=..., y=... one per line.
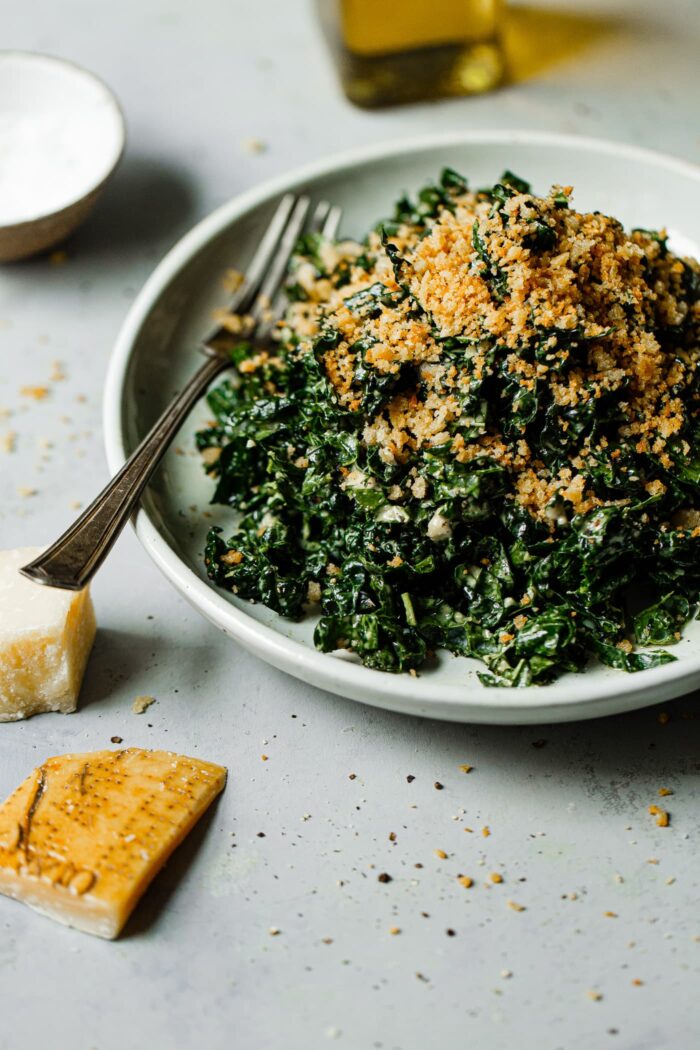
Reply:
x=75, y=557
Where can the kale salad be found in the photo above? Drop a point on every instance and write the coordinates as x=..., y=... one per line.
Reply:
x=477, y=431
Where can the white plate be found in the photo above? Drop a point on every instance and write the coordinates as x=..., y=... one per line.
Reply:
x=155, y=351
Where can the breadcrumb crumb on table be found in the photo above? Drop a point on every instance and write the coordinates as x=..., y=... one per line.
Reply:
x=141, y=704
x=663, y=817
x=8, y=441
x=253, y=145
x=36, y=393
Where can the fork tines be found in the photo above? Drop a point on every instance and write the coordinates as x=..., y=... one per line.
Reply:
x=257, y=298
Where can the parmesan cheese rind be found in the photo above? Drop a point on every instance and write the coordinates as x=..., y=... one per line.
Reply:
x=46, y=635
x=84, y=835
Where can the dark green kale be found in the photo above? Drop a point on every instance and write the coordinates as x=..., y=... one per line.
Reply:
x=493, y=274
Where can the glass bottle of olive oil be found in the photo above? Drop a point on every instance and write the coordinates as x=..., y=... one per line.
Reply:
x=419, y=49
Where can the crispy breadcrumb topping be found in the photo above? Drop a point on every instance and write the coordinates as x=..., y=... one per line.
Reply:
x=557, y=301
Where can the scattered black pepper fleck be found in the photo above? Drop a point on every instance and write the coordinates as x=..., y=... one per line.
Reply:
x=117, y=739
x=410, y=778
x=438, y=786
x=450, y=933
x=261, y=834
x=352, y=776
x=384, y=877
x=419, y=865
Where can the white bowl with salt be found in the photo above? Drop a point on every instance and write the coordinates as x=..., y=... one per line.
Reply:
x=62, y=134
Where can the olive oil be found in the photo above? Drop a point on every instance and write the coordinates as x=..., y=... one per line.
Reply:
x=419, y=49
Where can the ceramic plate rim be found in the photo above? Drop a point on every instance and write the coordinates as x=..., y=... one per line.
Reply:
x=393, y=692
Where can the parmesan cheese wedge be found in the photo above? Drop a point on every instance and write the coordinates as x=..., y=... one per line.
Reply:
x=46, y=635
x=84, y=835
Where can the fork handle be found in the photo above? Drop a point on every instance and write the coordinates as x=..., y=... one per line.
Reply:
x=73, y=560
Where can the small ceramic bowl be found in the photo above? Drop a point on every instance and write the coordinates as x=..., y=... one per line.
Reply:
x=62, y=134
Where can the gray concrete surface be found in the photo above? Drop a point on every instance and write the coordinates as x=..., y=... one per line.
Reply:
x=607, y=950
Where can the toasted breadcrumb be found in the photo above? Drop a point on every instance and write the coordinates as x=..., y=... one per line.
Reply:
x=211, y=455
x=8, y=441
x=37, y=393
x=253, y=145
x=663, y=818
x=232, y=558
x=232, y=280
x=142, y=703
x=616, y=290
